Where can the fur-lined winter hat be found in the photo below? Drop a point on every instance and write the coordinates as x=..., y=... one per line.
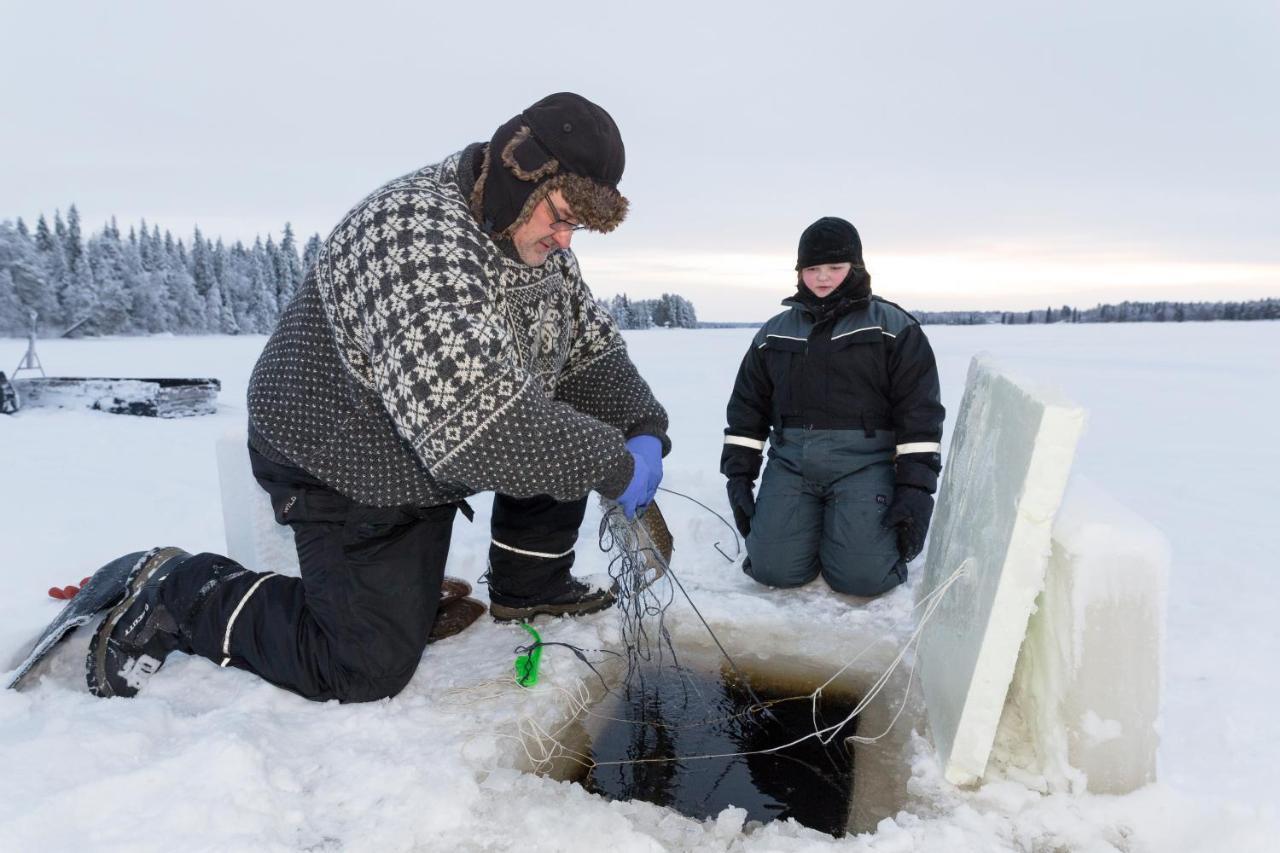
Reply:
x=563, y=142
x=830, y=240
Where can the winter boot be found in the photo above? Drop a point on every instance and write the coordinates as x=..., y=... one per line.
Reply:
x=455, y=616
x=577, y=599
x=453, y=588
x=137, y=634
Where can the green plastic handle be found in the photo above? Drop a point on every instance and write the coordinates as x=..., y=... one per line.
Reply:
x=527, y=665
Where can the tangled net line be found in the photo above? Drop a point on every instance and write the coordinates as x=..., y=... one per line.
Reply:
x=635, y=569
x=642, y=602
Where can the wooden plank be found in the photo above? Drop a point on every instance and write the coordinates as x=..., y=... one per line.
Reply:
x=165, y=397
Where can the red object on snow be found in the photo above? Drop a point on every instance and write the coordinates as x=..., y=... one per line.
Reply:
x=66, y=593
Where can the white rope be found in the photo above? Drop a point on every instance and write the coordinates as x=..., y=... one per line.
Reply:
x=546, y=746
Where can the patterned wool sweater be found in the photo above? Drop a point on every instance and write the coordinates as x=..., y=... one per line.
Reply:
x=419, y=363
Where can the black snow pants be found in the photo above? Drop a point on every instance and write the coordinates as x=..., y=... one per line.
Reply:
x=354, y=626
x=821, y=501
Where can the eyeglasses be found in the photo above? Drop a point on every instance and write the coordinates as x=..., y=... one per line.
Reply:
x=558, y=222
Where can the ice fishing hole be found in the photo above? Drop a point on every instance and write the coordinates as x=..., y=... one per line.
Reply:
x=643, y=740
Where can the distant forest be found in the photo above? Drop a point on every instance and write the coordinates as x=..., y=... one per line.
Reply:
x=146, y=282
x=669, y=311
x=142, y=282
x=1125, y=312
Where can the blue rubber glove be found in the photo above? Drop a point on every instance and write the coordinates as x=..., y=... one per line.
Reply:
x=649, y=448
x=637, y=494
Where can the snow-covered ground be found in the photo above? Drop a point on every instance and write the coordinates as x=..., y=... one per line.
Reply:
x=1182, y=430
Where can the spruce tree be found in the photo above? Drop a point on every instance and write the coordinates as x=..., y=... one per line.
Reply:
x=148, y=298
x=28, y=275
x=111, y=311
x=188, y=307
x=290, y=267
x=662, y=315
x=202, y=266
x=73, y=243
x=78, y=299
x=13, y=314
x=263, y=307
x=44, y=237
x=277, y=272
x=310, y=253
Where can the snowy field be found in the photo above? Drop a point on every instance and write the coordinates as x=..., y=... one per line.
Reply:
x=1183, y=430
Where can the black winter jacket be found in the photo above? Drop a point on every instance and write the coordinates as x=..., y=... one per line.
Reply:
x=859, y=362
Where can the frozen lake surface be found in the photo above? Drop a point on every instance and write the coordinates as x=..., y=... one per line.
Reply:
x=1182, y=429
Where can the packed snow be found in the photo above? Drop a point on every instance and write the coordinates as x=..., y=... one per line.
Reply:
x=209, y=759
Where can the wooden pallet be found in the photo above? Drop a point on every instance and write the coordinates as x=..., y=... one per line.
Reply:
x=152, y=398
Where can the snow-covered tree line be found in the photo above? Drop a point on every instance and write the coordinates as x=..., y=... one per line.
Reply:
x=668, y=310
x=143, y=281
x=1124, y=312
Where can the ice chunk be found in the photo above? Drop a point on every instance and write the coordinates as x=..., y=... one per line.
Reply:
x=1010, y=457
x=254, y=540
x=1087, y=687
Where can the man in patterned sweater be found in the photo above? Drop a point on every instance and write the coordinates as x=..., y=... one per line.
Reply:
x=444, y=344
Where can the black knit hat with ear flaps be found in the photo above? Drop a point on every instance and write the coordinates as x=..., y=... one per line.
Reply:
x=562, y=142
x=830, y=240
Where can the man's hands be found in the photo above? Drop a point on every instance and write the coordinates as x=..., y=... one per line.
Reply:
x=910, y=513
x=742, y=500
x=646, y=451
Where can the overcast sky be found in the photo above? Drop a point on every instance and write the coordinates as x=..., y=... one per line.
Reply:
x=1004, y=154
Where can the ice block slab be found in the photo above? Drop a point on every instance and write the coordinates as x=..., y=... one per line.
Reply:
x=1087, y=686
x=254, y=540
x=1008, y=465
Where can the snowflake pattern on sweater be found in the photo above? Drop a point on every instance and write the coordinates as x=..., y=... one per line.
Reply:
x=487, y=372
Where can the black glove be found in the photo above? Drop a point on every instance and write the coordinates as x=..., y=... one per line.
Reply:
x=910, y=512
x=743, y=501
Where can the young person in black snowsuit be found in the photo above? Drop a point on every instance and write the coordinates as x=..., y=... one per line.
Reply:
x=844, y=387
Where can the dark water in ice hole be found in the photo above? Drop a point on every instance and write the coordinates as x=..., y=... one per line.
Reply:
x=688, y=713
